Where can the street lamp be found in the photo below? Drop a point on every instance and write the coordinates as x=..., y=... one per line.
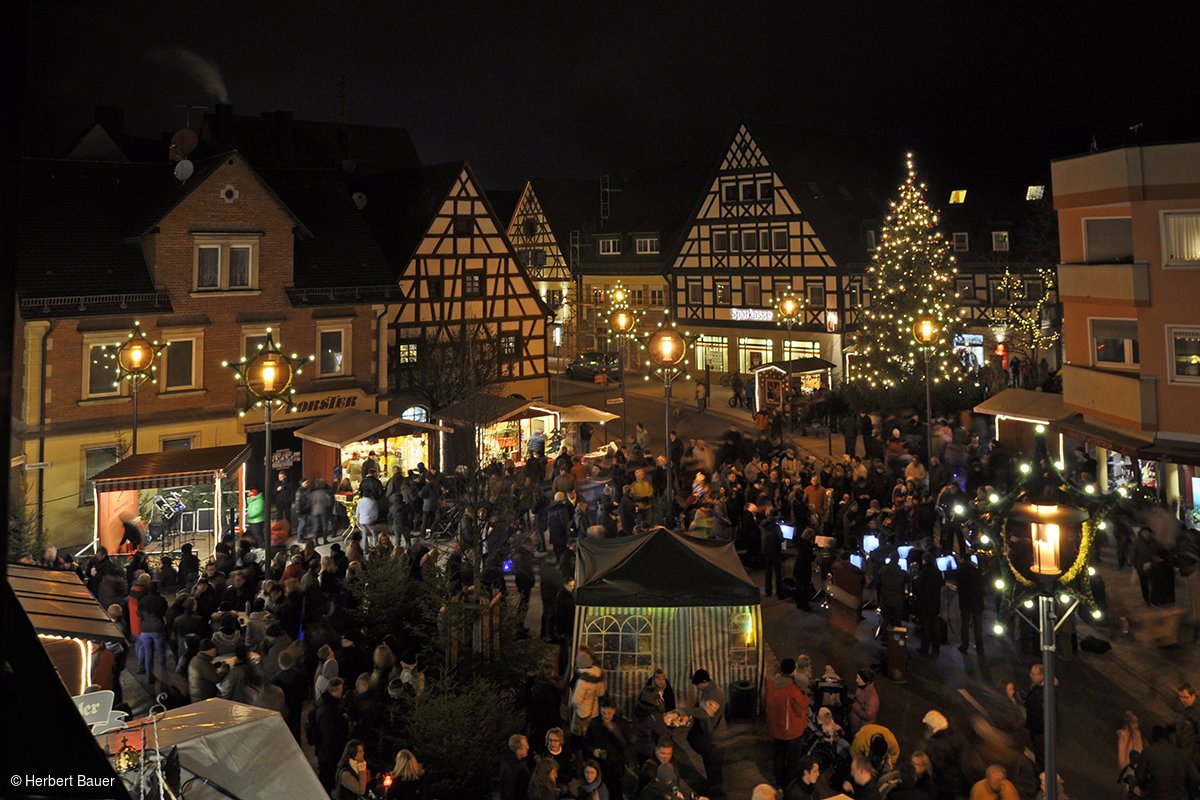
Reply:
x=667, y=349
x=622, y=325
x=788, y=309
x=135, y=363
x=267, y=377
x=926, y=331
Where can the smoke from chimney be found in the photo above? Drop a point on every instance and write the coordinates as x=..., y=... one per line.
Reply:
x=204, y=71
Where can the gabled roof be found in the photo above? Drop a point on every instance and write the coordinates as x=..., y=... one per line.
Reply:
x=661, y=569
x=400, y=207
x=339, y=249
x=836, y=180
x=58, y=603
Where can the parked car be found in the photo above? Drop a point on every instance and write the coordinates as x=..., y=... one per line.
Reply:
x=586, y=366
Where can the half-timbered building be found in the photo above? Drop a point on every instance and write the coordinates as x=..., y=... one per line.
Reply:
x=785, y=210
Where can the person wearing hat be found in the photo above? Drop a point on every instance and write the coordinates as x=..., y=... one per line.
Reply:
x=787, y=719
x=878, y=745
x=865, y=708
x=945, y=750
x=707, y=714
x=585, y=698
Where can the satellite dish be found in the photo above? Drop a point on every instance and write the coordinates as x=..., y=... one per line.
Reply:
x=184, y=141
x=184, y=170
x=360, y=200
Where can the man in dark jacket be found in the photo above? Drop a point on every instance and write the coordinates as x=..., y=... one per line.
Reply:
x=927, y=603
x=771, y=539
x=970, y=604
x=552, y=582
x=189, y=567
x=1164, y=770
x=806, y=556
x=1035, y=704
x=945, y=750
x=514, y=769
x=203, y=675
x=332, y=729
x=152, y=641
x=558, y=519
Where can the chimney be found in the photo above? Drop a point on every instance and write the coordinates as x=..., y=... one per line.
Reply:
x=112, y=119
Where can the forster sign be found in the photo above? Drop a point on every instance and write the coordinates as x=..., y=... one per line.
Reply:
x=318, y=404
x=752, y=314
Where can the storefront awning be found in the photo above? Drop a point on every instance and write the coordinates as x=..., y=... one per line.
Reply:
x=799, y=366
x=347, y=427
x=1025, y=405
x=1126, y=442
x=174, y=469
x=58, y=604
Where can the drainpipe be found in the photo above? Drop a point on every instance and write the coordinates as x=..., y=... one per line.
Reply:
x=384, y=350
x=41, y=480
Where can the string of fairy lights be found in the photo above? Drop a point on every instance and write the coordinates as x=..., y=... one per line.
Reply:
x=911, y=278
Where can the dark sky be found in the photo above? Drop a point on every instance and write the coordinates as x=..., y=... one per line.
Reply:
x=574, y=88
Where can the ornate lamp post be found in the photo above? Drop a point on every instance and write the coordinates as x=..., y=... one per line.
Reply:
x=135, y=363
x=788, y=309
x=926, y=331
x=622, y=322
x=667, y=350
x=268, y=378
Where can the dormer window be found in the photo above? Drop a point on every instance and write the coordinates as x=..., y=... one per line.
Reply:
x=1000, y=241
x=225, y=263
x=962, y=241
x=610, y=246
x=645, y=245
x=958, y=197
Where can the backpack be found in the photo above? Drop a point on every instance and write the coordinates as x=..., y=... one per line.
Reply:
x=311, y=729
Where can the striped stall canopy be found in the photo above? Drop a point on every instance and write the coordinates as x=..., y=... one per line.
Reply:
x=173, y=469
x=630, y=642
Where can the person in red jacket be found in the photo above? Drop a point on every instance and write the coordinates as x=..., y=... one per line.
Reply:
x=787, y=719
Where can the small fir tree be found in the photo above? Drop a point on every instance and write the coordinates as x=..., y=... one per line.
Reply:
x=911, y=277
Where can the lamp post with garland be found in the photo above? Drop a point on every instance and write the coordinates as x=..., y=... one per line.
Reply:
x=135, y=363
x=622, y=326
x=926, y=331
x=667, y=349
x=268, y=377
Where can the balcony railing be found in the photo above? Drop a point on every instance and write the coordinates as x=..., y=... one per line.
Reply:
x=1122, y=397
x=86, y=305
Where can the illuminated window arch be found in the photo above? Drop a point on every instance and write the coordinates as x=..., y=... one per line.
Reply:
x=620, y=642
x=742, y=649
x=415, y=414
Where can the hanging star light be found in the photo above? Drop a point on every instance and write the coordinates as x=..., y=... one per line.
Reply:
x=268, y=375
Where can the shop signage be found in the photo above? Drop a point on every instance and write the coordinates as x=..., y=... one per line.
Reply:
x=284, y=459
x=317, y=404
x=329, y=402
x=752, y=314
x=96, y=708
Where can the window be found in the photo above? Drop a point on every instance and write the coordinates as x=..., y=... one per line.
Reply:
x=415, y=414
x=730, y=193
x=510, y=346
x=799, y=349
x=712, y=352
x=869, y=239
x=1035, y=291
x=407, y=352
x=1185, y=354
x=95, y=461
x=962, y=241
x=1108, y=240
x=723, y=293
x=752, y=294
x=637, y=297
x=646, y=245
x=657, y=298
x=177, y=443
x=779, y=241
x=252, y=342
x=964, y=288
x=437, y=288
x=597, y=296
x=766, y=190
x=749, y=241
x=463, y=225
x=620, y=643
x=181, y=372
x=720, y=242
x=853, y=296
x=1115, y=342
x=554, y=298
x=1034, y=192
x=331, y=352
x=101, y=370
x=735, y=242
x=610, y=246
x=529, y=227
x=742, y=634
x=534, y=258
x=815, y=296
x=225, y=263
x=747, y=192
x=958, y=196
x=695, y=293
x=764, y=241
x=997, y=293
x=1000, y=241
x=473, y=283
x=1183, y=239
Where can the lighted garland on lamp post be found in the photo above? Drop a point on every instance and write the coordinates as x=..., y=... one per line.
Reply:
x=789, y=308
x=135, y=363
x=926, y=331
x=667, y=351
x=622, y=326
x=268, y=378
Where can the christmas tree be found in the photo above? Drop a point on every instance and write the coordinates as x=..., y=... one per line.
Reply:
x=911, y=278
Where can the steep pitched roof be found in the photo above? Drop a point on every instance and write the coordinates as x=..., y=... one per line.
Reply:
x=339, y=249
x=402, y=205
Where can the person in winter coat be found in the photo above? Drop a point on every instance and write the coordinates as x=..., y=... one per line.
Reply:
x=327, y=671
x=787, y=719
x=235, y=685
x=332, y=729
x=945, y=750
x=585, y=698
x=1164, y=770
x=152, y=639
x=203, y=675
x=558, y=519
x=552, y=582
x=865, y=708
x=608, y=742
x=291, y=681
x=255, y=515
x=514, y=769
x=806, y=557
x=970, y=604
x=927, y=604
x=771, y=538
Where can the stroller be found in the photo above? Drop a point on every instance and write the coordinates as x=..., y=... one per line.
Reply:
x=830, y=692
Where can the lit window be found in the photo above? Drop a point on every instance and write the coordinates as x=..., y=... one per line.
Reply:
x=620, y=644
x=723, y=293
x=1183, y=239
x=415, y=414
x=407, y=352
x=1115, y=342
x=331, y=352
x=962, y=242
x=473, y=283
x=646, y=245
x=1000, y=241
x=958, y=196
x=509, y=345
x=1185, y=354
x=610, y=246
x=1034, y=192
x=743, y=652
x=101, y=370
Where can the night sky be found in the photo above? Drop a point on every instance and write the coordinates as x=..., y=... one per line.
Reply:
x=577, y=89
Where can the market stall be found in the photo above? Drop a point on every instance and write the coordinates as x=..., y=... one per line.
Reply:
x=701, y=612
x=777, y=381
x=572, y=417
x=70, y=624
x=122, y=490
x=493, y=428
x=350, y=437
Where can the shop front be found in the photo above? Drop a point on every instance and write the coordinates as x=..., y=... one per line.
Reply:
x=800, y=378
x=1017, y=413
x=341, y=444
x=492, y=428
x=753, y=353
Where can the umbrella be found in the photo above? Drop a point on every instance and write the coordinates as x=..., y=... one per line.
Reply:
x=582, y=413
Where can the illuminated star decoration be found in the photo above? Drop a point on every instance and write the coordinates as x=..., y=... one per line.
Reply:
x=136, y=357
x=621, y=317
x=986, y=526
x=911, y=276
x=789, y=309
x=679, y=367
x=268, y=376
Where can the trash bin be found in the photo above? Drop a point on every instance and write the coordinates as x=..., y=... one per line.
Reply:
x=897, y=654
x=742, y=701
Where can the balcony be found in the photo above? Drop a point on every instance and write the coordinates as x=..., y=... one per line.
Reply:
x=1119, y=397
x=1119, y=283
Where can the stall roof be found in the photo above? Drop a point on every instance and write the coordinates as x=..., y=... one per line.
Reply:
x=1123, y=441
x=1025, y=404
x=799, y=366
x=172, y=469
x=223, y=742
x=582, y=413
x=354, y=425
x=488, y=409
x=661, y=569
x=57, y=603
